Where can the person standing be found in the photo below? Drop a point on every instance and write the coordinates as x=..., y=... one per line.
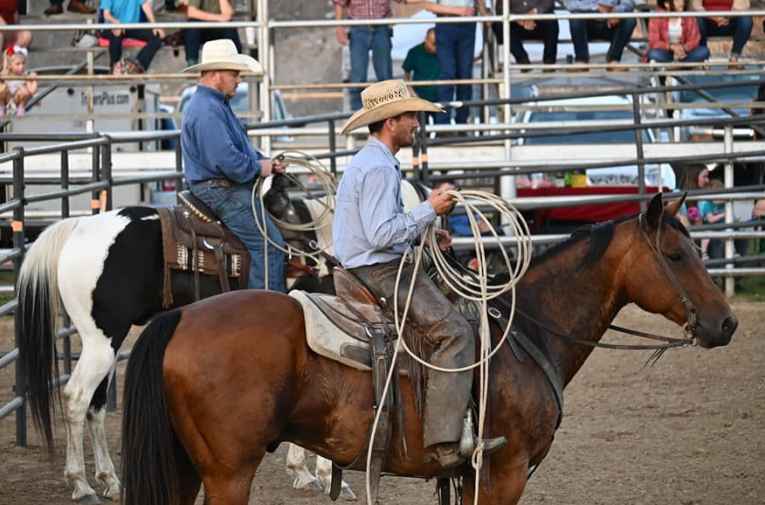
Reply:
x=365, y=38
x=221, y=166
x=371, y=232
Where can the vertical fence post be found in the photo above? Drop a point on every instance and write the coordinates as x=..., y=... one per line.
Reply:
x=95, y=176
x=424, y=168
x=416, y=147
x=106, y=171
x=65, y=211
x=178, y=165
x=508, y=183
x=639, y=148
x=18, y=243
x=730, y=282
x=332, y=147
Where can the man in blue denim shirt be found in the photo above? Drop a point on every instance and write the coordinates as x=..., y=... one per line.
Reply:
x=220, y=164
x=371, y=232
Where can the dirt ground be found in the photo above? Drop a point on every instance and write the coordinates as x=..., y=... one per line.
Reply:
x=689, y=431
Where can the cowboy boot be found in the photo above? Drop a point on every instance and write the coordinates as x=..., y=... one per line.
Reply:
x=448, y=455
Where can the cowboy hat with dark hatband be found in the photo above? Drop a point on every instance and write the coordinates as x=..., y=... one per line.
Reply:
x=384, y=100
x=221, y=54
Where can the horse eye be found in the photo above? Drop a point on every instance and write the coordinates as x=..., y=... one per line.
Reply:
x=675, y=256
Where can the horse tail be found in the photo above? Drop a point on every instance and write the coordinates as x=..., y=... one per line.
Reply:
x=151, y=452
x=39, y=304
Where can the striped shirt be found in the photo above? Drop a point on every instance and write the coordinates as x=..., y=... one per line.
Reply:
x=366, y=9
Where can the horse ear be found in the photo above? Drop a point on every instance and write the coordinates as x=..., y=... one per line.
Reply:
x=654, y=212
x=674, y=206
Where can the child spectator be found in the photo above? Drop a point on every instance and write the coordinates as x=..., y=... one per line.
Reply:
x=14, y=94
x=675, y=39
x=129, y=11
x=740, y=26
x=421, y=64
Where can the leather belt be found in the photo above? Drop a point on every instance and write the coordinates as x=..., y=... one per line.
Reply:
x=215, y=183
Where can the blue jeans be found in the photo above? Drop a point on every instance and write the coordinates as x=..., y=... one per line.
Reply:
x=546, y=31
x=362, y=40
x=193, y=38
x=585, y=30
x=454, y=49
x=699, y=53
x=233, y=207
x=739, y=27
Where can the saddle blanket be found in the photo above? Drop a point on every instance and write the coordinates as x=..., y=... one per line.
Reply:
x=324, y=316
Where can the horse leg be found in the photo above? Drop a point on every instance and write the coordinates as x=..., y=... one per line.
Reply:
x=105, y=473
x=297, y=467
x=506, y=485
x=324, y=474
x=230, y=487
x=92, y=367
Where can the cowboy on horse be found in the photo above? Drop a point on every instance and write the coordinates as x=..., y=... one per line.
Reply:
x=220, y=164
x=371, y=233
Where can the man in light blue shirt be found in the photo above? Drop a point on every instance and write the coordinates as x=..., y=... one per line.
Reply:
x=220, y=164
x=372, y=231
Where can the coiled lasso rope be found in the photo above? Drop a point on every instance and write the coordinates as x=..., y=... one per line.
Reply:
x=329, y=187
x=466, y=287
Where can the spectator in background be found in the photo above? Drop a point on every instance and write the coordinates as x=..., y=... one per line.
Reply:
x=546, y=31
x=15, y=94
x=362, y=39
x=617, y=31
x=129, y=11
x=454, y=48
x=421, y=64
x=740, y=27
x=17, y=41
x=208, y=10
x=57, y=7
x=675, y=39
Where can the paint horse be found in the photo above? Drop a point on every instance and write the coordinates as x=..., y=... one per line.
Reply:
x=107, y=271
x=271, y=388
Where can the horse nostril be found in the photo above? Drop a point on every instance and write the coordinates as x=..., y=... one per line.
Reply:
x=729, y=325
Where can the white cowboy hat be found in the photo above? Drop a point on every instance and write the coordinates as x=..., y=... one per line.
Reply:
x=384, y=100
x=221, y=54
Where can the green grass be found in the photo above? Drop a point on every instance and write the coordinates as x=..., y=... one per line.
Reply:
x=751, y=288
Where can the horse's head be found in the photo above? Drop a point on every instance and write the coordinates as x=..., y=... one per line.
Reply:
x=277, y=199
x=667, y=276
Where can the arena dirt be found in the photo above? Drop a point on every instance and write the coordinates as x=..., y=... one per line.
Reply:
x=689, y=431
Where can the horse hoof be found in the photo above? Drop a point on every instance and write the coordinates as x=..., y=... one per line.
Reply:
x=89, y=499
x=310, y=485
x=346, y=493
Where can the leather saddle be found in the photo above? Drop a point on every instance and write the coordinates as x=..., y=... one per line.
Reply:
x=194, y=241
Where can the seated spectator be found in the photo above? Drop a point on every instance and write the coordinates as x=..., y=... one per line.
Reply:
x=421, y=64
x=129, y=11
x=15, y=94
x=57, y=7
x=546, y=31
x=740, y=27
x=675, y=39
x=617, y=31
x=208, y=10
x=17, y=41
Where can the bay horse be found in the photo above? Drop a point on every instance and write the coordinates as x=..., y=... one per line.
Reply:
x=213, y=386
x=107, y=272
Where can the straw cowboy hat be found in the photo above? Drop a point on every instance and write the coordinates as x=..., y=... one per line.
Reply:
x=384, y=100
x=221, y=54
